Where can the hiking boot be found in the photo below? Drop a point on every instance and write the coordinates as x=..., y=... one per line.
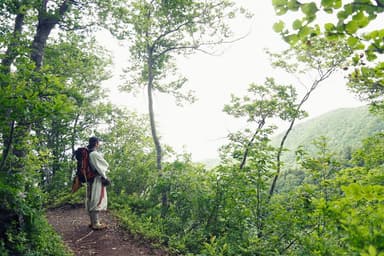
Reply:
x=99, y=226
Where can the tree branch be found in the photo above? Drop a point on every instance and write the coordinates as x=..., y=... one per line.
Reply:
x=245, y=155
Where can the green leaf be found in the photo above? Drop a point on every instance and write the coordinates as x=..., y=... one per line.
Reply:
x=297, y=24
x=380, y=33
x=331, y=4
x=309, y=9
x=361, y=20
x=372, y=251
x=327, y=3
x=329, y=27
x=352, y=41
x=304, y=32
x=371, y=55
x=293, y=5
x=351, y=27
x=278, y=26
x=279, y=2
x=337, y=4
x=342, y=15
x=280, y=6
x=291, y=39
x=371, y=35
x=328, y=10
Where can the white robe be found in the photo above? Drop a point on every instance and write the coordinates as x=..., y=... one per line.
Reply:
x=97, y=199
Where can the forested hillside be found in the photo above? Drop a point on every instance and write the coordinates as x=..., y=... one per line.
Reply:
x=252, y=203
x=343, y=129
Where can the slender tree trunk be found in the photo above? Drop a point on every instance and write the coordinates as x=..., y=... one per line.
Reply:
x=156, y=140
x=282, y=143
x=323, y=76
x=250, y=143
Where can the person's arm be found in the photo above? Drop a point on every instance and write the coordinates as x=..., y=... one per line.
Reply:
x=99, y=164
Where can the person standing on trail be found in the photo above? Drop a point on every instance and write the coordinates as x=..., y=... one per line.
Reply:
x=97, y=200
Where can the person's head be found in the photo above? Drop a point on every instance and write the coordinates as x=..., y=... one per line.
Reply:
x=93, y=142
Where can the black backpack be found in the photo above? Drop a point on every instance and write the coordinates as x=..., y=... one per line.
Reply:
x=84, y=170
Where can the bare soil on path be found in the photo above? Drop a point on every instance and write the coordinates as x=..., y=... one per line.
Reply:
x=71, y=223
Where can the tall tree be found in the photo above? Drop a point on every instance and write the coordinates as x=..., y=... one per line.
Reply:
x=251, y=151
x=32, y=93
x=262, y=104
x=317, y=58
x=158, y=31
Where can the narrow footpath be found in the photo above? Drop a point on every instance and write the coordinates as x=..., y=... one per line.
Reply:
x=71, y=223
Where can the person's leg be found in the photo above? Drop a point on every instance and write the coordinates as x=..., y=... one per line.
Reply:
x=96, y=221
x=92, y=219
x=87, y=203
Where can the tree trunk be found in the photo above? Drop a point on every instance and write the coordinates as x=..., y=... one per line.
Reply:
x=45, y=25
x=152, y=117
x=323, y=76
x=164, y=198
x=15, y=133
x=250, y=143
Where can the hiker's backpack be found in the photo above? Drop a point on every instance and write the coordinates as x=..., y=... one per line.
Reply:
x=84, y=170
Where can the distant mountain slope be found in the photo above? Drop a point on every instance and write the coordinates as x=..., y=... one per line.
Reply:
x=344, y=128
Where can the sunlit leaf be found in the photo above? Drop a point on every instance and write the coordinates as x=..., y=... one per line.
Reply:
x=278, y=26
x=351, y=27
x=329, y=27
x=309, y=9
x=297, y=24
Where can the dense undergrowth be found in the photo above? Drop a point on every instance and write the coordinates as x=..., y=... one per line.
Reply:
x=28, y=233
x=333, y=208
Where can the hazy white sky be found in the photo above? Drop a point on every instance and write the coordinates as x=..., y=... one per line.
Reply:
x=201, y=128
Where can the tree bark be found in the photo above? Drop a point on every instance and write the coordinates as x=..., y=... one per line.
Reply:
x=250, y=143
x=156, y=140
x=152, y=116
x=45, y=25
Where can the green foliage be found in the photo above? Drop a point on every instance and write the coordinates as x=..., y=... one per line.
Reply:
x=49, y=107
x=160, y=30
x=360, y=201
x=269, y=100
x=128, y=148
x=352, y=21
x=369, y=154
x=184, y=226
x=33, y=235
x=39, y=106
x=359, y=211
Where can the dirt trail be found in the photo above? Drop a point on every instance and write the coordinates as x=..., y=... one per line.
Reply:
x=72, y=224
